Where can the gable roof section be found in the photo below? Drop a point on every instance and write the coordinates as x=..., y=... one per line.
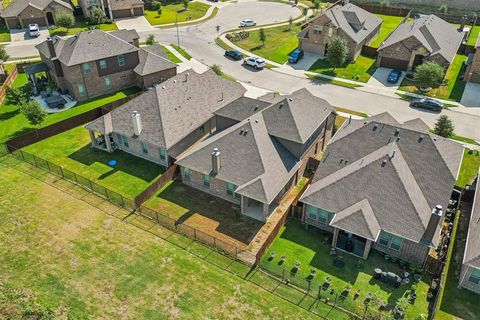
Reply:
x=124, y=4
x=128, y=35
x=242, y=108
x=87, y=46
x=434, y=33
x=18, y=6
x=472, y=248
x=172, y=110
x=403, y=175
x=152, y=59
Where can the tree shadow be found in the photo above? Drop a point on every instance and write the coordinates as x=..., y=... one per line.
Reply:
x=9, y=114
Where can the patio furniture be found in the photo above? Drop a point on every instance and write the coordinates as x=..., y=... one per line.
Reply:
x=393, y=279
x=56, y=102
x=377, y=273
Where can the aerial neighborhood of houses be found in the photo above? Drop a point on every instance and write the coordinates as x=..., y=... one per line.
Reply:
x=239, y=159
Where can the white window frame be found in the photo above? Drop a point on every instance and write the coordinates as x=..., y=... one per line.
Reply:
x=108, y=83
x=121, y=60
x=81, y=91
x=103, y=64
x=86, y=68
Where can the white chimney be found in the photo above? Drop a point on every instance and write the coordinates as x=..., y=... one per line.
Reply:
x=137, y=123
x=216, y=164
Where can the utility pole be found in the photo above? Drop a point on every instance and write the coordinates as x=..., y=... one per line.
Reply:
x=176, y=24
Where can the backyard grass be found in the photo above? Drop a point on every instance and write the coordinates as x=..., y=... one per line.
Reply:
x=13, y=123
x=204, y=212
x=280, y=42
x=182, y=51
x=4, y=32
x=80, y=25
x=173, y=58
x=472, y=40
x=72, y=150
x=312, y=249
x=389, y=24
x=61, y=254
x=454, y=88
x=359, y=70
x=172, y=12
x=469, y=168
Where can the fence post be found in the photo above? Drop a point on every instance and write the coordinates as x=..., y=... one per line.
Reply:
x=214, y=244
x=48, y=165
x=236, y=253
x=283, y=274
x=319, y=295
x=90, y=183
x=123, y=202
x=75, y=175
x=308, y=286
x=21, y=153
x=194, y=234
x=35, y=160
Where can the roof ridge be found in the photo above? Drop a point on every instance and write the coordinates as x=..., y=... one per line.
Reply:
x=156, y=98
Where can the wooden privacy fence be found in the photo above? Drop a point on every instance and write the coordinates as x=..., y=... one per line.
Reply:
x=7, y=83
x=157, y=185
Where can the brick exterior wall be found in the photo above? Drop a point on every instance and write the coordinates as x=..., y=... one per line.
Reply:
x=472, y=74
x=465, y=274
x=135, y=148
x=409, y=251
x=34, y=15
x=155, y=78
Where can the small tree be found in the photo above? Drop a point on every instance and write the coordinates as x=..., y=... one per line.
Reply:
x=15, y=96
x=444, y=127
x=3, y=54
x=185, y=4
x=290, y=23
x=337, y=51
x=296, y=2
x=65, y=19
x=305, y=13
x=150, y=39
x=97, y=16
x=429, y=73
x=33, y=111
x=262, y=35
x=317, y=4
x=217, y=69
x=157, y=6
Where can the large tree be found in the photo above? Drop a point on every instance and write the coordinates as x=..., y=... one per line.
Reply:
x=337, y=51
x=97, y=16
x=33, y=111
x=444, y=127
x=65, y=19
x=429, y=73
x=3, y=54
x=15, y=96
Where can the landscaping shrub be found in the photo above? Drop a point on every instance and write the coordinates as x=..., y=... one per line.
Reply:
x=238, y=36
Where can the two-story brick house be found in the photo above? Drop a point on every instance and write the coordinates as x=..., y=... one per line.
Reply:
x=383, y=185
x=346, y=20
x=260, y=150
x=472, y=72
x=114, y=8
x=93, y=63
x=21, y=13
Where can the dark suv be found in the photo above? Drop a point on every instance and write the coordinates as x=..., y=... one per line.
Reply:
x=429, y=104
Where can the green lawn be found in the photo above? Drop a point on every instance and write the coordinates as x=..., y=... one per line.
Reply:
x=359, y=70
x=389, y=24
x=71, y=149
x=61, y=255
x=280, y=42
x=4, y=32
x=469, y=168
x=173, y=58
x=170, y=12
x=454, y=88
x=312, y=249
x=80, y=25
x=13, y=123
x=472, y=40
x=182, y=51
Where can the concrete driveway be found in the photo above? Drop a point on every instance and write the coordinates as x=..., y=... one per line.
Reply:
x=471, y=95
x=306, y=62
x=138, y=23
x=380, y=76
x=21, y=36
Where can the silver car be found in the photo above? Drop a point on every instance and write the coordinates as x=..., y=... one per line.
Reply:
x=33, y=30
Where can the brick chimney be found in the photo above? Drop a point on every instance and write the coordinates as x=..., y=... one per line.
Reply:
x=216, y=163
x=51, y=48
x=433, y=223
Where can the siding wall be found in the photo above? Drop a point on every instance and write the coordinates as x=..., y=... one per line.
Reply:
x=464, y=276
x=135, y=148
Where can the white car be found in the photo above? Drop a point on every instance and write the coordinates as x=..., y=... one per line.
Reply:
x=247, y=23
x=256, y=62
x=33, y=30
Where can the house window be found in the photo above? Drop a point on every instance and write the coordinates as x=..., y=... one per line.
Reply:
x=318, y=29
x=108, y=83
x=475, y=276
x=330, y=32
x=86, y=68
x=201, y=129
x=144, y=147
x=81, y=90
x=122, y=140
x=121, y=60
x=231, y=190
x=163, y=154
x=396, y=243
x=390, y=240
x=312, y=213
x=323, y=216
x=186, y=174
x=103, y=64
x=92, y=3
x=384, y=238
x=206, y=180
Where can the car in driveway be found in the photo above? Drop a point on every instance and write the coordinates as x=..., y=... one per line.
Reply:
x=255, y=62
x=295, y=56
x=234, y=54
x=394, y=76
x=428, y=104
x=247, y=23
x=33, y=30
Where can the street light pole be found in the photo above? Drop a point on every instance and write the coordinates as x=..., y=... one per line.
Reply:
x=176, y=24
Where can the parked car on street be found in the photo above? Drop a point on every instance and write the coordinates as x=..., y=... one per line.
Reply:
x=256, y=62
x=247, y=23
x=428, y=104
x=234, y=54
x=295, y=56
x=394, y=76
x=33, y=30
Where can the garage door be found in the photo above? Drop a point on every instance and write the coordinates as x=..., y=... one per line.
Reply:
x=138, y=11
x=12, y=23
x=313, y=48
x=122, y=13
x=40, y=21
x=394, y=63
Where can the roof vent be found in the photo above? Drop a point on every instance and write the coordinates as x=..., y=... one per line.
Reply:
x=341, y=160
x=245, y=133
x=365, y=122
x=398, y=139
x=242, y=131
x=216, y=164
x=290, y=99
x=397, y=132
x=256, y=121
x=174, y=81
x=375, y=127
x=163, y=87
x=280, y=106
x=384, y=162
x=346, y=161
x=420, y=139
x=391, y=154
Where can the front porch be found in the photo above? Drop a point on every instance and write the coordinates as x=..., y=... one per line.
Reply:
x=351, y=243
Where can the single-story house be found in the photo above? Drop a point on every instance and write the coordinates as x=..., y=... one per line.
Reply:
x=21, y=13
x=260, y=151
x=356, y=25
x=428, y=38
x=165, y=120
x=472, y=72
x=114, y=8
x=470, y=272
x=383, y=185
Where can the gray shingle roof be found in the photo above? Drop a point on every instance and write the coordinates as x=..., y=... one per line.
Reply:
x=252, y=158
x=356, y=22
x=472, y=249
x=125, y=4
x=402, y=190
x=435, y=34
x=242, y=108
x=87, y=46
x=173, y=109
x=128, y=35
x=152, y=59
x=17, y=6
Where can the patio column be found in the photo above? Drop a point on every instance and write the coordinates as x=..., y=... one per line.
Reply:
x=92, y=138
x=265, y=211
x=335, y=236
x=108, y=143
x=412, y=59
x=368, y=246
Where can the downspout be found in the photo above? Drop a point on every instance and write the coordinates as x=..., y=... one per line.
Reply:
x=84, y=83
x=110, y=9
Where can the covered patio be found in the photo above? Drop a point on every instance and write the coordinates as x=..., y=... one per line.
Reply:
x=101, y=136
